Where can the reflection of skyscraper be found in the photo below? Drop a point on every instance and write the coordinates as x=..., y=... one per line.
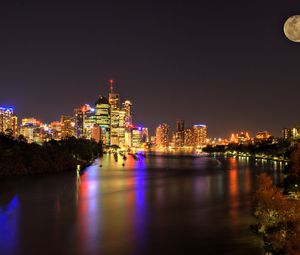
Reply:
x=162, y=136
x=102, y=118
x=199, y=133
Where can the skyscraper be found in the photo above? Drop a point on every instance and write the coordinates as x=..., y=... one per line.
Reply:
x=81, y=115
x=179, y=134
x=179, y=125
x=127, y=107
x=199, y=134
x=67, y=126
x=162, y=136
x=136, y=138
x=188, y=138
x=103, y=118
x=8, y=121
x=113, y=98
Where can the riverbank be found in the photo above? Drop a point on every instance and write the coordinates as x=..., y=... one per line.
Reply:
x=18, y=157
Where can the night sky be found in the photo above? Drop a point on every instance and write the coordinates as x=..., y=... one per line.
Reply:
x=226, y=64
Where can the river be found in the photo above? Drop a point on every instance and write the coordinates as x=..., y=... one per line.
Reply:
x=156, y=205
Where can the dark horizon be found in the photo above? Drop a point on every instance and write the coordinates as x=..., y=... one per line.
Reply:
x=224, y=64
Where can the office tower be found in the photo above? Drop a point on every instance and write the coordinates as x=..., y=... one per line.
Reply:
x=8, y=121
x=199, y=134
x=113, y=98
x=291, y=133
x=162, y=136
x=136, y=137
x=145, y=135
x=67, y=126
x=178, y=138
x=188, y=138
x=96, y=133
x=127, y=107
x=179, y=125
x=80, y=115
x=103, y=117
x=114, y=127
x=55, y=130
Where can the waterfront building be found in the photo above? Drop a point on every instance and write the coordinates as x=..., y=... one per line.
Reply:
x=68, y=124
x=240, y=138
x=179, y=134
x=118, y=127
x=136, y=137
x=291, y=133
x=188, y=138
x=216, y=141
x=162, y=136
x=199, y=135
x=8, y=121
x=103, y=118
x=262, y=135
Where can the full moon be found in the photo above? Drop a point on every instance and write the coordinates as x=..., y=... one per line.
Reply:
x=291, y=28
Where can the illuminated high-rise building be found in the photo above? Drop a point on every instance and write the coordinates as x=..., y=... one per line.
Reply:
x=179, y=125
x=188, y=138
x=67, y=126
x=55, y=130
x=113, y=98
x=127, y=107
x=96, y=133
x=84, y=120
x=145, y=135
x=199, y=135
x=162, y=136
x=79, y=114
x=8, y=121
x=103, y=118
x=291, y=133
x=32, y=130
x=136, y=137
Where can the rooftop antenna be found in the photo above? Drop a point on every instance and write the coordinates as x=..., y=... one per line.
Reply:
x=111, y=87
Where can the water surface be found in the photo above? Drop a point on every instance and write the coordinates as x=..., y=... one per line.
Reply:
x=156, y=205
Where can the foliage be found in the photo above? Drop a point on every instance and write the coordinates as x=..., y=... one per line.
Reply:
x=292, y=172
x=280, y=148
x=278, y=218
x=17, y=157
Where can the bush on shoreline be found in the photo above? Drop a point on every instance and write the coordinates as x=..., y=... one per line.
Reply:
x=17, y=157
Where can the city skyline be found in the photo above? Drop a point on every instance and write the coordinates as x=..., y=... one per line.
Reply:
x=227, y=65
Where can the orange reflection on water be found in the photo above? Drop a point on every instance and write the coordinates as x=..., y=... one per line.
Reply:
x=233, y=177
x=233, y=191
